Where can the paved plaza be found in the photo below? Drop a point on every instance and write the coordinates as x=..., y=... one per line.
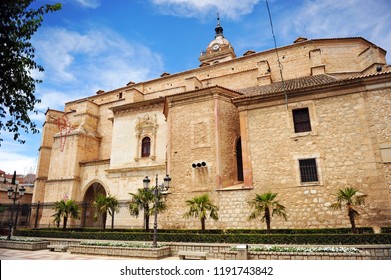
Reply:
x=9, y=254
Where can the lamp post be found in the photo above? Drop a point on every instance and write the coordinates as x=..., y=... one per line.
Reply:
x=12, y=194
x=158, y=188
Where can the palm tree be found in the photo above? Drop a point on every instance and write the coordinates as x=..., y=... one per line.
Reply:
x=349, y=197
x=57, y=219
x=106, y=204
x=264, y=204
x=65, y=209
x=198, y=208
x=144, y=199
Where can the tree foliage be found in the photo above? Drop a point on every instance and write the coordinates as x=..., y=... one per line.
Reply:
x=144, y=200
x=266, y=206
x=65, y=209
x=106, y=205
x=18, y=22
x=199, y=207
x=350, y=197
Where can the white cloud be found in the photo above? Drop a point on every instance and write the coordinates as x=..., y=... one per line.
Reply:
x=335, y=18
x=50, y=98
x=232, y=9
x=92, y=4
x=78, y=64
x=11, y=162
x=15, y=156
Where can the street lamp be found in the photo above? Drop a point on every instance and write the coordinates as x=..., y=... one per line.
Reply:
x=12, y=194
x=163, y=188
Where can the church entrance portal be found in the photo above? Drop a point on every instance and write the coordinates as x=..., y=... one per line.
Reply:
x=89, y=213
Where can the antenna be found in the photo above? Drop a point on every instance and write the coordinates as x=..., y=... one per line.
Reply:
x=278, y=57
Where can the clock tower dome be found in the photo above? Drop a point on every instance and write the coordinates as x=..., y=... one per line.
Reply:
x=218, y=50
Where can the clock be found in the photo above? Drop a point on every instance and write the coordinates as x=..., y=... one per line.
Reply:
x=216, y=47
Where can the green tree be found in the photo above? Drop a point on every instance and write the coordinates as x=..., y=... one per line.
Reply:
x=57, y=219
x=350, y=197
x=106, y=204
x=265, y=205
x=65, y=209
x=144, y=200
x=199, y=207
x=18, y=22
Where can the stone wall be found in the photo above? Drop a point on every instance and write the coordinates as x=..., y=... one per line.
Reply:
x=342, y=143
x=197, y=122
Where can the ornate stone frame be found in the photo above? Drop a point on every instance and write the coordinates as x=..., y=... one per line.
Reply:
x=146, y=127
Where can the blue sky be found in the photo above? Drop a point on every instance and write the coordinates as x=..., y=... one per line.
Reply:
x=104, y=44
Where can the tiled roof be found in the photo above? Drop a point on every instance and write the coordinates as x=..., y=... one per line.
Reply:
x=369, y=75
x=292, y=84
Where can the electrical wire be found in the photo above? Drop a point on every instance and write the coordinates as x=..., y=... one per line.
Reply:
x=278, y=57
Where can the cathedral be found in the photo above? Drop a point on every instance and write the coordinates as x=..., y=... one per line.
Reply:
x=303, y=121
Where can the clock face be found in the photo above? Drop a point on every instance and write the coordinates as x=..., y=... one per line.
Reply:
x=215, y=47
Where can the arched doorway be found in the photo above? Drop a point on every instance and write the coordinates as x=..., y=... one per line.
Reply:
x=88, y=210
x=239, y=161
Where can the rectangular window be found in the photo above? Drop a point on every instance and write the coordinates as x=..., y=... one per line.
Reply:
x=301, y=120
x=308, y=170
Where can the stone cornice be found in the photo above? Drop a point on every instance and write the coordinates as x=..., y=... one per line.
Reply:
x=79, y=132
x=204, y=92
x=136, y=169
x=145, y=105
x=95, y=162
x=86, y=114
x=198, y=95
x=63, y=180
x=44, y=147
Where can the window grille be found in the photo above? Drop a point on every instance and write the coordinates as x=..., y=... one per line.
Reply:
x=301, y=120
x=308, y=170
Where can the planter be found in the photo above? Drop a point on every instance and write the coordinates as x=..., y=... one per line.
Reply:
x=24, y=245
x=234, y=255
x=142, y=253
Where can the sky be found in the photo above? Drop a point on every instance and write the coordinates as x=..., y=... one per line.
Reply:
x=104, y=44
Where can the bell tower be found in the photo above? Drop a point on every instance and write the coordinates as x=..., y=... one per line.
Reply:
x=218, y=50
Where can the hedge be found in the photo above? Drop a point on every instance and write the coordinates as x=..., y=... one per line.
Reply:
x=222, y=231
x=326, y=239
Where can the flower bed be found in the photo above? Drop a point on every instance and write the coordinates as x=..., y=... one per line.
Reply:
x=121, y=249
x=297, y=253
x=18, y=243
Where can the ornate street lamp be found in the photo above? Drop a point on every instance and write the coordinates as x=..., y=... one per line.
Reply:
x=163, y=188
x=14, y=194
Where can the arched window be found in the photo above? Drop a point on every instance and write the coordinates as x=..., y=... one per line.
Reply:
x=146, y=147
x=239, y=161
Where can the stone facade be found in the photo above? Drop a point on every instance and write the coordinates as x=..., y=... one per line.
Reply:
x=227, y=129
